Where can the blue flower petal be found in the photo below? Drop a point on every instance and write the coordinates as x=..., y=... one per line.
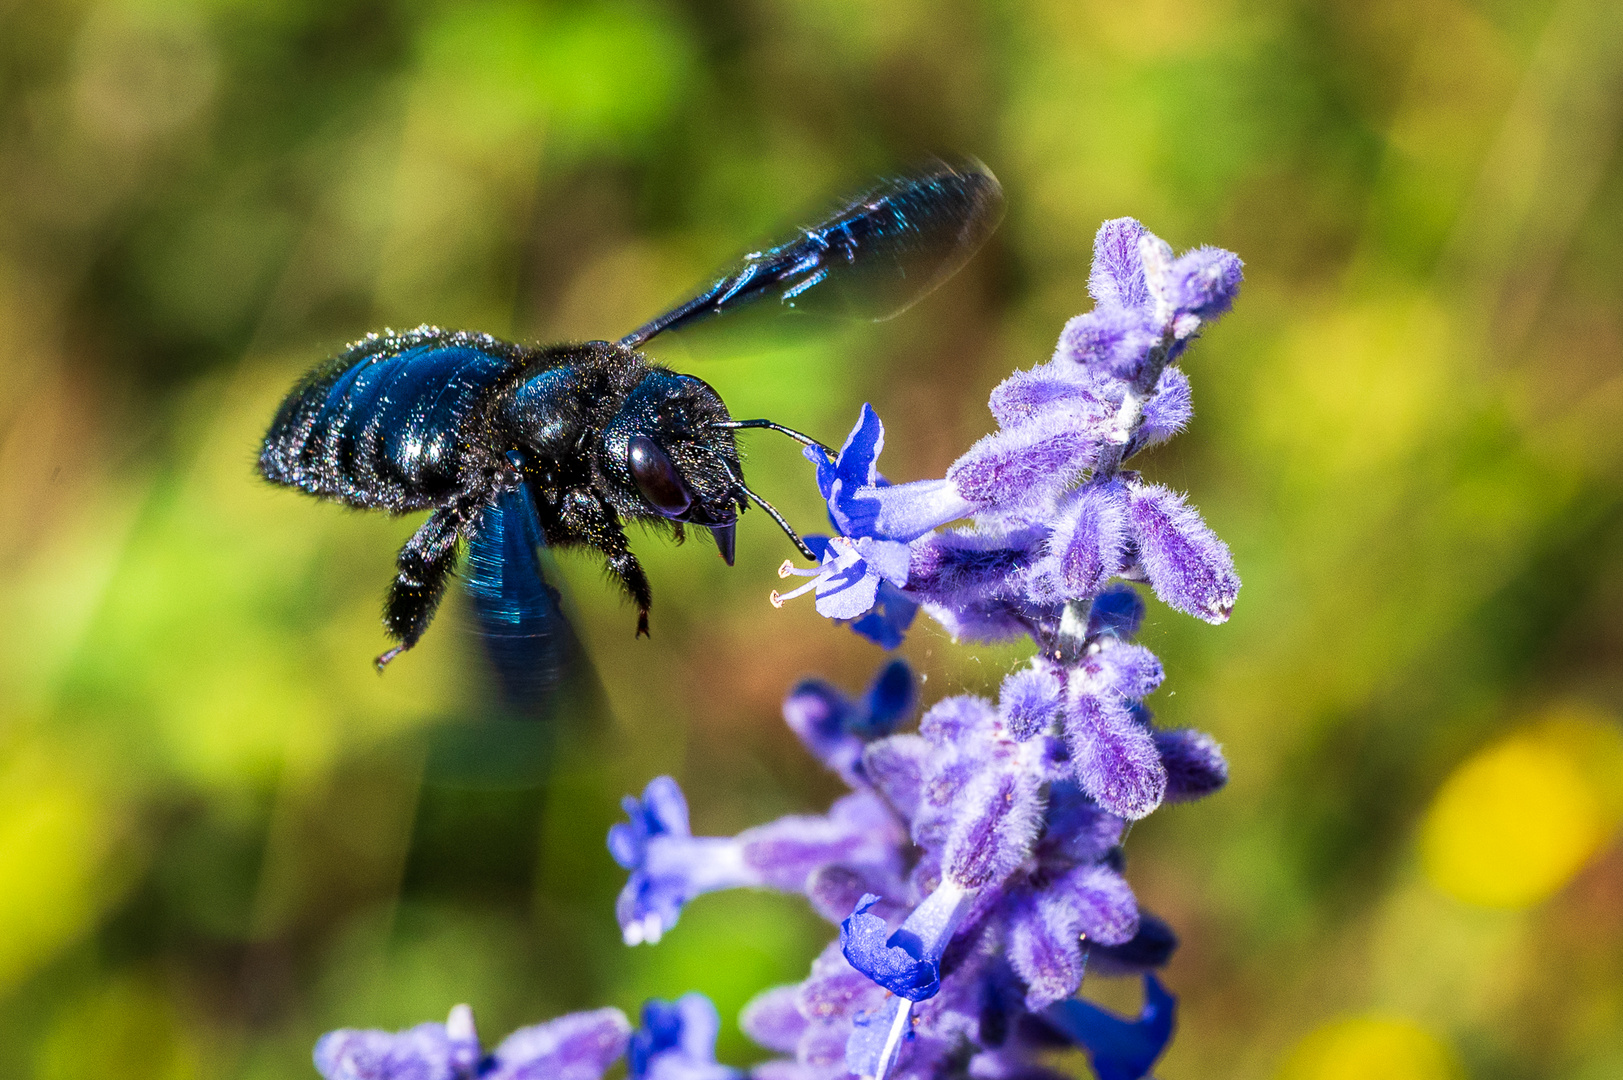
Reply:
x=1120, y=1049
x=894, y=961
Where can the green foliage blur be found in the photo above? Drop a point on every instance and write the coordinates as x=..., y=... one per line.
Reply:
x=222, y=834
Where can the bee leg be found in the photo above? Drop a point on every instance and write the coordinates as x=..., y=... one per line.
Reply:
x=589, y=519
x=422, y=570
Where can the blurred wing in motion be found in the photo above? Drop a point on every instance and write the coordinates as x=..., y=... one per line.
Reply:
x=873, y=258
x=525, y=634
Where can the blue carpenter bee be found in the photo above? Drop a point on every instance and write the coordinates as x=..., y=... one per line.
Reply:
x=511, y=447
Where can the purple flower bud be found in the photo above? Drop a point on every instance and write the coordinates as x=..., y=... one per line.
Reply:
x=1030, y=700
x=1194, y=764
x=994, y=823
x=1047, y=928
x=836, y=728
x=1114, y=756
x=1027, y=465
x=895, y=767
x=963, y=565
x=953, y=722
x=1112, y=340
x=1117, y=276
x=1119, y=1049
x=1048, y=388
x=677, y=1041
x=858, y=829
x=1088, y=545
x=1123, y=669
x=773, y=1019
x=580, y=1046
x=1204, y=282
x=448, y=1051
x=1188, y=566
x=1166, y=413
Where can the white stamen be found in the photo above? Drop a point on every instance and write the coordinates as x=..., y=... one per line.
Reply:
x=778, y=598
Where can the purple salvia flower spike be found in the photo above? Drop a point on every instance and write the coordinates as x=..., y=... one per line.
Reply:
x=974, y=868
x=1188, y=566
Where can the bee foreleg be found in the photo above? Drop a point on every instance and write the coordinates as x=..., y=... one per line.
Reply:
x=590, y=520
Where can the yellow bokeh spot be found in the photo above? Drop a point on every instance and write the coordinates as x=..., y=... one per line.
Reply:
x=1371, y=1048
x=123, y=1027
x=54, y=839
x=1518, y=819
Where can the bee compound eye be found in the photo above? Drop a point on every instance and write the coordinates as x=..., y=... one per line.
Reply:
x=657, y=478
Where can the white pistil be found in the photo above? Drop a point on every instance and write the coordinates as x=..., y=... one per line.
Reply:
x=893, y=1040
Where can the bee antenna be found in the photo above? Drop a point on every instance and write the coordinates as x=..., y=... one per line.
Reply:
x=804, y=440
x=771, y=511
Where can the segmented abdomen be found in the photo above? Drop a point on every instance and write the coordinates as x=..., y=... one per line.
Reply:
x=395, y=421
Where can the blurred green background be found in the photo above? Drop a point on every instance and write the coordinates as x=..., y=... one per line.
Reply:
x=222, y=834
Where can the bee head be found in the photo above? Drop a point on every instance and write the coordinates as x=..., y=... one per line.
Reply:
x=666, y=456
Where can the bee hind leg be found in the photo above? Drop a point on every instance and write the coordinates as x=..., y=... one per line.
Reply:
x=422, y=570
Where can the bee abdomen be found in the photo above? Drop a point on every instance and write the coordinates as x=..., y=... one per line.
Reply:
x=398, y=426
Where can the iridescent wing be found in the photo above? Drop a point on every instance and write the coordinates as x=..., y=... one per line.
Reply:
x=873, y=258
x=525, y=633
